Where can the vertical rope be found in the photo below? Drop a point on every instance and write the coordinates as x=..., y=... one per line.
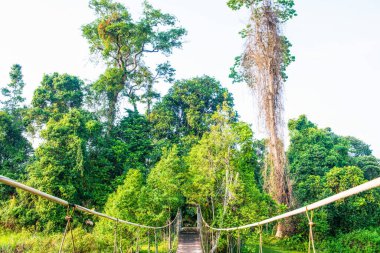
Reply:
x=120, y=243
x=260, y=239
x=115, y=236
x=238, y=242
x=212, y=238
x=207, y=240
x=138, y=241
x=148, y=241
x=155, y=241
x=68, y=218
x=228, y=243
x=311, y=224
x=170, y=237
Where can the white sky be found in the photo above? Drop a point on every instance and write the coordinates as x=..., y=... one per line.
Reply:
x=334, y=80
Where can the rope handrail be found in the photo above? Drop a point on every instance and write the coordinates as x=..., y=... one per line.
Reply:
x=63, y=202
x=347, y=193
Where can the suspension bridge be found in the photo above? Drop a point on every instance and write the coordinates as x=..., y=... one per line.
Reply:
x=201, y=239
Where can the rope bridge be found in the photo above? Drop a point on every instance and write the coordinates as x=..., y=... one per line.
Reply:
x=208, y=234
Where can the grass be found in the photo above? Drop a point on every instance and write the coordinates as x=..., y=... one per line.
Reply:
x=26, y=241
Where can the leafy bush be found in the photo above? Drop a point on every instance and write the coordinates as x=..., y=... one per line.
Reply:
x=364, y=240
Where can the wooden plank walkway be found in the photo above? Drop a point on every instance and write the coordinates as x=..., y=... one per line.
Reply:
x=189, y=242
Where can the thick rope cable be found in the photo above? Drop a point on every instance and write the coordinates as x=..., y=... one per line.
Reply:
x=228, y=243
x=311, y=238
x=69, y=213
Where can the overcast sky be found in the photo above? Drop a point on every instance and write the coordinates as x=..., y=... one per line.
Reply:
x=334, y=80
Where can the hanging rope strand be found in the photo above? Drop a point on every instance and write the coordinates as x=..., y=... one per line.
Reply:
x=69, y=213
x=228, y=243
x=148, y=241
x=155, y=241
x=120, y=243
x=311, y=238
x=138, y=241
x=115, y=236
x=260, y=239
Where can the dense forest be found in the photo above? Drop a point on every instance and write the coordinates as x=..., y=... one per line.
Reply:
x=118, y=146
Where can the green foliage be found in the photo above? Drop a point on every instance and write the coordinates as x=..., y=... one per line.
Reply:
x=187, y=108
x=163, y=194
x=62, y=167
x=283, y=8
x=32, y=242
x=123, y=43
x=59, y=165
x=221, y=174
x=15, y=151
x=187, y=149
x=152, y=202
x=131, y=143
x=57, y=94
x=358, y=147
x=13, y=91
x=364, y=240
x=370, y=166
x=114, y=34
x=355, y=212
x=314, y=151
x=124, y=203
x=322, y=164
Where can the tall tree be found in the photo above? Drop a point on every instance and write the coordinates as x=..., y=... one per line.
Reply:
x=13, y=92
x=15, y=149
x=263, y=65
x=221, y=175
x=67, y=165
x=123, y=43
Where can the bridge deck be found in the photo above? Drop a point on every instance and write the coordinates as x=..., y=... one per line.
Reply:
x=189, y=242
